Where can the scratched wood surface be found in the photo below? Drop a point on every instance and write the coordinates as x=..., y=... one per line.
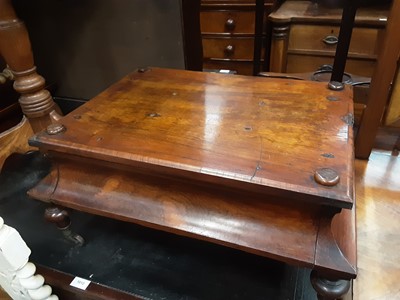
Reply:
x=256, y=134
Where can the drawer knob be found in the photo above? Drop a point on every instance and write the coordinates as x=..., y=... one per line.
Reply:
x=229, y=50
x=330, y=40
x=230, y=24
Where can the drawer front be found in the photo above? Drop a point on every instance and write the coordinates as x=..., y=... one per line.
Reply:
x=241, y=67
x=228, y=48
x=225, y=1
x=241, y=3
x=308, y=63
x=227, y=22
x=364, y=42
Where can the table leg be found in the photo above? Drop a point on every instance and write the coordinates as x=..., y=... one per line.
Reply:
x=329, y=289
x=60, y=217
x=36, y=102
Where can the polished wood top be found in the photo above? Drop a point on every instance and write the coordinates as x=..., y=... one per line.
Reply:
x=306, y=11
x=257, y=134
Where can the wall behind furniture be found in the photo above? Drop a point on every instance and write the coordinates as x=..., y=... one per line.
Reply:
x=83, y=46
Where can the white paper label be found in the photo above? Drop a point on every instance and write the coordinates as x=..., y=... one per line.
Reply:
x=80, y=283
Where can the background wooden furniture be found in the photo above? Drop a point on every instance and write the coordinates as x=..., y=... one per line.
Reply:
x=228, y=34
x=379, y=94
x=305, y=36
x=193, y=50
x=366, y=41
x=35, y=101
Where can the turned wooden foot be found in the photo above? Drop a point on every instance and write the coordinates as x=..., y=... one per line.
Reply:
x=61, y=218
x=15, y=47
x=328, y=289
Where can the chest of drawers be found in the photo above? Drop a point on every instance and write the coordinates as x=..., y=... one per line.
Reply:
x=228, y=34
x=305, y=36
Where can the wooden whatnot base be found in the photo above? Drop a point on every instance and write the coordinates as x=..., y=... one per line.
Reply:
x=260, y=165
x=228, y=217
x=301, y=236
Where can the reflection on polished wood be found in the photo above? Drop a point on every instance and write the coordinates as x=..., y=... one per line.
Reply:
x=378, y=227
x=256, y=134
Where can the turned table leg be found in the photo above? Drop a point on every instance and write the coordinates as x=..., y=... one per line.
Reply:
x=61, y=218
x=36, y=102
x=328, y=289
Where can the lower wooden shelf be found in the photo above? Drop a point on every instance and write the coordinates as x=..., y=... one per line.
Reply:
x=300, y=235
x=127, y=261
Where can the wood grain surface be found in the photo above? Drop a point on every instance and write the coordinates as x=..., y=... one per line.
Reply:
x=231, y=218
x=300, y=235
x=365, y=42
x=216, y=22
x=304, y=62
x=255, y=134
x=378, y=191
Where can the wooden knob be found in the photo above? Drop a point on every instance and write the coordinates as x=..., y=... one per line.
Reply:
x=230, y=24
x=229, y=50
x=327, y=177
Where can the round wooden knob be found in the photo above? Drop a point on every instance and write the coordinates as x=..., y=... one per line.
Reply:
x=229, y=50
x=230, y=24
x=327, y=177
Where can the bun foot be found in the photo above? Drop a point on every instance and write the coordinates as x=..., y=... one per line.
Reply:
x=328, y=289
x=61, y=218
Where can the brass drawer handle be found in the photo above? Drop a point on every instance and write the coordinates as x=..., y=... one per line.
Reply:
x=229, y=50
x=230, y=24
x=331, y=40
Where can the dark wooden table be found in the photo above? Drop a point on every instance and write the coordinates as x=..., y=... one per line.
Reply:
x=260, y=165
